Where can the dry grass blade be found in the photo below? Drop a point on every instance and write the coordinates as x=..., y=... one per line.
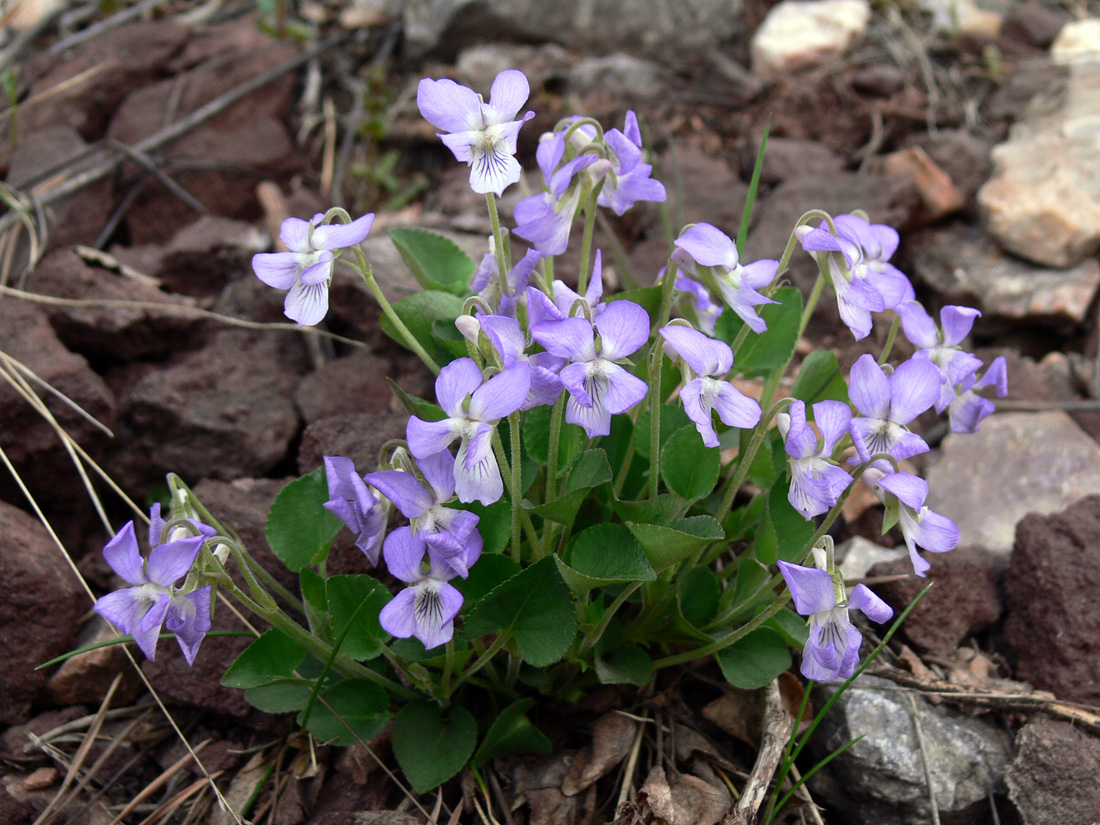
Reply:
x=160, y=781
x=172, y=804
x=29, y=218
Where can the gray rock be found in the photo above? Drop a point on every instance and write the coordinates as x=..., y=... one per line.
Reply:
x=1018, y=463
x=881, y=780
x=965, y=266
x=664, y=29
x=619, y=77
x=477, y=66
x=1043, y=202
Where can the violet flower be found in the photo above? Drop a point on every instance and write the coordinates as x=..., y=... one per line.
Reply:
x=919, y=526
x=540, y=307
x=888, y=405
x=546, y=219
x=507, y=339
x=478, y=133
x=487, y=284
x=598, y=387
x=449, y=535
x=154, y=600
x=629, y=180
x=473, y=409
x=967, y=409
x=832, y=651
x=707, y=312
x=941, y=345
x=306, y=270
x=709, y=361
x=428, y=607
x=855, y=262
x=708, y=255
x=353, y=503
x=816, y=482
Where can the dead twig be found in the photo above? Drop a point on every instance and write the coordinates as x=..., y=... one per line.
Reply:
x=777, y=727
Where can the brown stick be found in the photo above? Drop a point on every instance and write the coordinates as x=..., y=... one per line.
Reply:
x=777, y=727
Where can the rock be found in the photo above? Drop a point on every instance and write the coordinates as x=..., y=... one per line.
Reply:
x=654, y=28
x=1043, y=202
x=965, y=266
x=224, y=412
x=938, y=194
x=881, y=779
x=857, y=556
x=1017, y=463
x=1052, y=780
x=963, y=17
x=79, y=218
x=728, y=79
x=88, y=677
x=117, y=333
x=963, y=156
x=355, y=383
x=204, y=256
x=478, y=66
x=801, y=34
x=1077, y=41
x=965, y=600
x=41, y=602
x=1053, y=616
x=618, y=77
x=358, y=436
x=880, y=80
x=1033, y=23
x=792, y=158
x=246, y=141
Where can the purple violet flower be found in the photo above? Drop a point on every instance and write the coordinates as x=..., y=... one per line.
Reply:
x=507, y=338
x=306, y=270
x=598, y=387
x=707, y=312
x=154, y=600
x=427, y=608
x=832, y=651
x=709, y=361
x=473, y=409
x=478, y=133
x=707, y=254
x=629, y=180
x=919, y=526
x=967, y=409
x=855, y=263
x=450, y=535
x=816, y=482
x=941, y=346
x=353, y=503
x=888, y=405
x=541, y=308
x=487, y=284
x=546, y=219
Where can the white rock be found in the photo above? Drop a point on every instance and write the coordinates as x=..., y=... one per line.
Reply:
x=1018, y=463
x=962, y=17
x=1078, y=40
x=801, y=34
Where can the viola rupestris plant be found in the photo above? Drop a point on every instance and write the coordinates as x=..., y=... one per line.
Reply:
x=590, y=497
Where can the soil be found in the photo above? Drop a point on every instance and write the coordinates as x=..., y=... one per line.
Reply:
x=239, y=408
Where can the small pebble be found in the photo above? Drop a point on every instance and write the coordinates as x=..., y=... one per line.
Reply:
x=40, y=779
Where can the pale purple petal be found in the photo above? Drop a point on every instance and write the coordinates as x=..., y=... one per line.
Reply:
x=914, y=387
x=832, y=418
x=704, y=355
x=918, y=325
x=307, y=305
x=398, y=617
x=574, y=378
x=403, y=552
x=967, y=412
x=862, y=598
x=996, y=376
x=623, y=328
x=122, y=554
x=477, y=474
x=910, y=490
x=571, y=338
x=172, y=560
x=502, y=394
x=318, y=272
x=439, y=471
x=934, y=532
x=508, y=93
x=549, y=153
x=430, y=437
x=448, y=106
x=541, y=308
x=455, y=381
x=595, y=283
x=505, y=336
x=734, y=407
x=708, y=245
x=156, y=527
x=811, y=589
x=801, y=442
x=759, y=274
x=189, y=618
x=493, y=169
x=869, y=388
x=623, y=390
x=294, y=233
x=436, y=606
x=698, y=410
x=123, y=609
x=403, y=489
x=335, y=236
x=278, y=269
x=461, y=144
x=147, y=628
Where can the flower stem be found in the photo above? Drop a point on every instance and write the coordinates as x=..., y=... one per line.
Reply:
x=410, y=340
x=516, y=486
x=593, y=638
x=655, y=356
x=889, y=345
x=552, y=455
x=745, y=461
x=729, y=638
x=586, y=239
x=498, y=243
x=482, y=660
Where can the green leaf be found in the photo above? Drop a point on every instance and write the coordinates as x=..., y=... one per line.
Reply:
x=414, y=405
x=591, y=470
x=604, y=554
x=354, y=601
x=697, y=594
x=447, y=335
x=793, y=529
x=536, y=438
x=625, y=665
x=511, y=733
x=749, y=585
x=299, y=529
x=494, y=524
x=489, y=573
x=754, y=660
x=688, y=466
x=673, y=418
x=435, y=261
x=667, y=544
x=429, y=748
x=271, y=658
x=820, y=378
x=314, y=598
x=773, y=348
x=418, y=313
x=279, y=697
x=648, y=298
x=536, y=607
x=790, y=626
x=349, y=711
x=663, y=508
x=765, y=545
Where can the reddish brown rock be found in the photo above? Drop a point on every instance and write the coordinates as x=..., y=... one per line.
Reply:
x=1053, y=613
x=358, y=436
x=41, y=602
x=964, y=601
x=355, y=383
x=1052, y=780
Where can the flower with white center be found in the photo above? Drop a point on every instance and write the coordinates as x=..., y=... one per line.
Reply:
x=427, y=608
x=479, y=133
x=816, y=482
x=941, y=346
x=707, y=361
x=920, y=527
x=888, y=405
